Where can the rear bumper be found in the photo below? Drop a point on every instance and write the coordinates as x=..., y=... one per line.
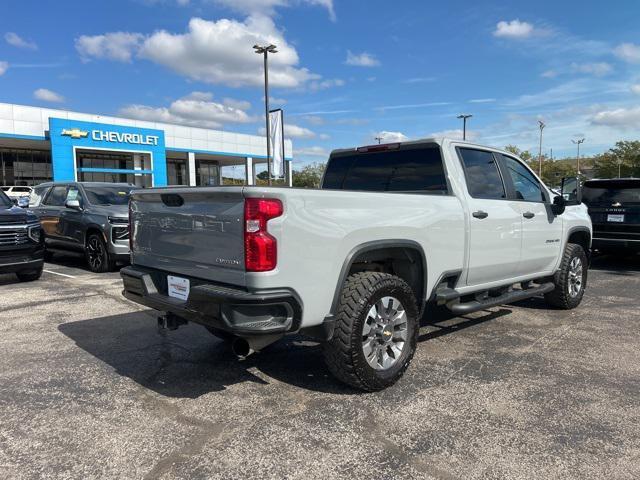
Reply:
x=234, y=310
x=612, y=243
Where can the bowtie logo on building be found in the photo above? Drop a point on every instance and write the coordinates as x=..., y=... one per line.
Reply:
x=75, y=133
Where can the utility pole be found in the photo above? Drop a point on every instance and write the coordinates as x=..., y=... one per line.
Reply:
x=464, y=124
x=578, y=142
x=266, y=50
x=379, y=139
x=542, y=125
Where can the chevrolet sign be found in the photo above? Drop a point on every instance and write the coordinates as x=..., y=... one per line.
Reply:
x=74, y=133
x=119, y=137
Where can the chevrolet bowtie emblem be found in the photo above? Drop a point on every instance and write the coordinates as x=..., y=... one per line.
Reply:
x=75, y=133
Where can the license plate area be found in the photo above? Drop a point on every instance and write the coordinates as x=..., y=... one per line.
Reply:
x=616, y=218
x=178, y=287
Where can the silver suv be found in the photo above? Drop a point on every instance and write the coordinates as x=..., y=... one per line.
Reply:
x=89, y=217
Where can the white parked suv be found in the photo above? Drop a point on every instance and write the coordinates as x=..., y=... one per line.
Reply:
x=355, y=264
x=16, y=193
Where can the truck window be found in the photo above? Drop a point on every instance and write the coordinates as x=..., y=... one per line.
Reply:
x=601, y=192
x=482, y=174
x=56, y=196
x=525, y=184
x=406, y=170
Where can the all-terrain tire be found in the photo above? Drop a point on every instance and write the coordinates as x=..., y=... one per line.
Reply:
x=565, y=279
x=29, y=276
x=344, y=354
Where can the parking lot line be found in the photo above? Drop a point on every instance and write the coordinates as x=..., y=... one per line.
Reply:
x=61, y=274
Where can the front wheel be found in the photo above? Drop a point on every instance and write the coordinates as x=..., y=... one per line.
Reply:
x=29, y=276
x=570, y=279
x=98, y=258
x=376, y=331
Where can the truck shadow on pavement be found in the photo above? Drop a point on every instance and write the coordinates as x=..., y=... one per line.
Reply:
x=190, y=362
x=616, y=265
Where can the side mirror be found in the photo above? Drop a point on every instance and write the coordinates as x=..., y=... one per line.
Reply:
x=571, y=191
x=558, y=205
x=73, y=204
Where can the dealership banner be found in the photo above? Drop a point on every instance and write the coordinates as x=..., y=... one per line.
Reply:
x=276, y=125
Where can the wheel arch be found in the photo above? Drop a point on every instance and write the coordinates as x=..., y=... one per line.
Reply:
x=580, y=236
x=407, y=258
x=91, y=229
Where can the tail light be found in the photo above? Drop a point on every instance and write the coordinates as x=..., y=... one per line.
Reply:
x=260, y=248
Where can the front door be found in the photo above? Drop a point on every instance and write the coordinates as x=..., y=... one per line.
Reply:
x=49, y=213
x=495, y=222
x=541, y=230
x=71, y=220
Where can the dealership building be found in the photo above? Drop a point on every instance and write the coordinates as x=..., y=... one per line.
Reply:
x=39, y=145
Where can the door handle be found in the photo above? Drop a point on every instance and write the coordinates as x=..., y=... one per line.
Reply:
x=480, y=214
x=528, y=214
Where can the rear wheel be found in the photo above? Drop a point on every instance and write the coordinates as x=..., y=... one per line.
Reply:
x=98, y=258
x=29, y=276
x=570, y=279
x=376, y=331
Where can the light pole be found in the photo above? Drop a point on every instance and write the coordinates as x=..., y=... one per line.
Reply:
x=464, y=124
x=379, y=139
x=542, y=125
x=578, y=142
x=266, y=50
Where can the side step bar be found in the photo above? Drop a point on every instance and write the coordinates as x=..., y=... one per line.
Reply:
x=508, y=297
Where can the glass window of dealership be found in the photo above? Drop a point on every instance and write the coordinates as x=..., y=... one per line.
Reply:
x=39, y=145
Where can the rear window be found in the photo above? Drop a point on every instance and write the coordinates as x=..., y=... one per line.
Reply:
x=408, y=170
x=611, y=192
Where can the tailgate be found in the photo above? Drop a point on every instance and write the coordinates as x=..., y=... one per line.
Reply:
x=196, y=232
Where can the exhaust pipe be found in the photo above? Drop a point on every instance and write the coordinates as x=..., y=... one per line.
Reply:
x=245, y=346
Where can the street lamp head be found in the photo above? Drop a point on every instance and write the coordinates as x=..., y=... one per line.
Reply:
x=265, y=49
x=542, y=124
x=463, y=116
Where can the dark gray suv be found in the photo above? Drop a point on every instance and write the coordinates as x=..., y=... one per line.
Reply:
x=87, y=217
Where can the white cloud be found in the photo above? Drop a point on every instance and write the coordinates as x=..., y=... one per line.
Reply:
x=635, y=88
x=220, y=52
x=47, y=95
x=623, y=118
x=419, y=80
x=316, y=85
x=628, y=52
x=267, y=7
x=598, y=69
x=363, y=59
x=311, y=151
x=549, y=74
x=314, y=120
x=4, y=66
x=17, y=41
x=455, y=133
x=196, y=109
x=513, y=29
x=293, y=131
x=391, y=137
x=482, y=100
x=119, y=46
x=276, y=101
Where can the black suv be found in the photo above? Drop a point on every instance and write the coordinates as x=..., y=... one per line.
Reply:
x=85, y=217
x=614, y=206
x=21, y=241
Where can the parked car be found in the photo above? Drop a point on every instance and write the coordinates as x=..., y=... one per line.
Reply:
x=85, y=217
x=21, y=241
x=15, y=192
x=354, y=264
x=614, y=206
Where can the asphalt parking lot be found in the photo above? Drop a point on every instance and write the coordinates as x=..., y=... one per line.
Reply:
x=89, y=388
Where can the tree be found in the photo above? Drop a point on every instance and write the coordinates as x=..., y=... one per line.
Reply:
x=624, y=158
x=309, y=176
x=523, y=154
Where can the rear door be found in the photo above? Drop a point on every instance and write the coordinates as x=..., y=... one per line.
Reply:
x=197, y=232
x=541, y=230
x=71, y=222
x=495, y=222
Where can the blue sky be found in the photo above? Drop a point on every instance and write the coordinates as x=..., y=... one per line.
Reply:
x=347, y=71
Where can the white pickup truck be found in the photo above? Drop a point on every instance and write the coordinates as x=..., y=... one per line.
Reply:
x=354, y=264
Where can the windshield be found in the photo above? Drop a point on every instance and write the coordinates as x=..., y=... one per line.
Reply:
x=108, y=195
x=4, y=200
x=611, y=192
